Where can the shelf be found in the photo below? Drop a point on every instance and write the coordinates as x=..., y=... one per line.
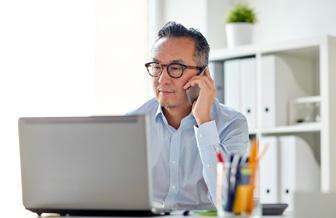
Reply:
x=308, y=99
x=303, y=47
x=239, y=52
x=306, y=127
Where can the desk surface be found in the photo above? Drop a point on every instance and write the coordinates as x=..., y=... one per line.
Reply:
x=175, y=216
x=170, y=216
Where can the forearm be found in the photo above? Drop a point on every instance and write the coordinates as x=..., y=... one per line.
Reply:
x=207, y=139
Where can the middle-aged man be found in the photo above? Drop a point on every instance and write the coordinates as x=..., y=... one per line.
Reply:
x=184, y=136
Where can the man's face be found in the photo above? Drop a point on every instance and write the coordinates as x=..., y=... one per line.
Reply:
x=169, y=91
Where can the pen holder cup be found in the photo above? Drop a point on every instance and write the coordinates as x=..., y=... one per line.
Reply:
x=238, y=193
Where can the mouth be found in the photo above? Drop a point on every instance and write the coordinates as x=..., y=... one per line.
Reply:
x=165, y=93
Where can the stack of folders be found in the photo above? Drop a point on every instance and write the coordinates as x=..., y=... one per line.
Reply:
x=236, y=183
x=289, y=166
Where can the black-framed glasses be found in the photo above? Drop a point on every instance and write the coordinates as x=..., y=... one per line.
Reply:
x=174, y=70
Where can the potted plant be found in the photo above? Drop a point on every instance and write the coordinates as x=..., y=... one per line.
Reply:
x=239, y=25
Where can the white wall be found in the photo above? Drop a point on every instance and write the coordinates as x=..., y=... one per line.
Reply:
x=286, y=19
x=121, y=80
x=216, y=16
x=191, y=13
x=279, y=20
x=47, y=53
x=208, y=16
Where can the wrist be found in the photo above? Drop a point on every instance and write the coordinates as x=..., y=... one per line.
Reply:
x=201, y=120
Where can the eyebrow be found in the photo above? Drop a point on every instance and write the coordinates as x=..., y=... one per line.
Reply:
x=156, y=60
x=179, y=61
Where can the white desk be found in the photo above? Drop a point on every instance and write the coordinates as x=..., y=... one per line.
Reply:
x=170, y=216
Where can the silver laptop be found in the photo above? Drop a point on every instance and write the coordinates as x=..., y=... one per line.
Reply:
x=86, y=165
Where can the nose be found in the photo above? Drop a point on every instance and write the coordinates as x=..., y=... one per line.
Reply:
x=164, y=77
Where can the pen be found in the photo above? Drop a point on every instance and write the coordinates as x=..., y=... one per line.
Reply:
x=228, y=183
x=232, y=182
x=219, y=189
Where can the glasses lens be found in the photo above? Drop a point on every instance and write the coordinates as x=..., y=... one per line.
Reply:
x=175, y=70
x=154, y=69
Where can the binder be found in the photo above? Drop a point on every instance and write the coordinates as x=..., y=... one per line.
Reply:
x=269, y=171
x=248, y=72
x=299, y=168
x=240, y=88
x=283, y=78
x=232, y=78
x=268, y=93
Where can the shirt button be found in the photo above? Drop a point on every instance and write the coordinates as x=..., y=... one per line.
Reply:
x=201, y=136
x=173, y=162
x=208, y=165
x=174, y=187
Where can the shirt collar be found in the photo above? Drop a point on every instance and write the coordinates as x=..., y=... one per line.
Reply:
x=158, y=112
x=159, y=115
x=189, y=120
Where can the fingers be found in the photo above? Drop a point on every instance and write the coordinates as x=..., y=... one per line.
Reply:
x=207, y=72
x=205, y=78
x=201, y=81
x=196, y=81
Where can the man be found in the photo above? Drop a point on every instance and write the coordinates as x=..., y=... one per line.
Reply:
x=184, y=136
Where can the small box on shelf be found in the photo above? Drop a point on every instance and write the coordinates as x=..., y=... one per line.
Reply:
x=304, y=110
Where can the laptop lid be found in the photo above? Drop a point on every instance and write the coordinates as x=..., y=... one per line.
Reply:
x=85, y=163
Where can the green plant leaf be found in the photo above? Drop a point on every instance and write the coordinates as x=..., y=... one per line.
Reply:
x=241, y=13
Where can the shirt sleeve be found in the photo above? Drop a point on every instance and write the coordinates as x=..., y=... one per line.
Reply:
x=231, y=139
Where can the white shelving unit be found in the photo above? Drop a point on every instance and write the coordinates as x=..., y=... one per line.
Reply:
x=323, y=51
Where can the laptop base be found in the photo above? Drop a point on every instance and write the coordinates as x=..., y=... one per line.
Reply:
x=77, y=212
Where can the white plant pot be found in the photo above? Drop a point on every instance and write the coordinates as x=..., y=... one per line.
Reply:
x=238, y=34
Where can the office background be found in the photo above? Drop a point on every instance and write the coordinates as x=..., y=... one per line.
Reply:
x=75, y=57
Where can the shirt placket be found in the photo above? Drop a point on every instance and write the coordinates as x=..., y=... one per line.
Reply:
x=174, y=156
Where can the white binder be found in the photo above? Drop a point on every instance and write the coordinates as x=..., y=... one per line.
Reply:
x=283, y=78
x=269, y=171
x=299, y=169
x=241, y=88
x=268, y=95
x=232, y=93
x=248, y=72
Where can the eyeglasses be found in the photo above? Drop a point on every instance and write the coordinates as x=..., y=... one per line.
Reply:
x=174, y=70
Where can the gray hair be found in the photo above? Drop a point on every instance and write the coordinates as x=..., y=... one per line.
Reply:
x=202, y=49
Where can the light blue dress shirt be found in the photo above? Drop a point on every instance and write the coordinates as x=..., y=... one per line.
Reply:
x=183, y=160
